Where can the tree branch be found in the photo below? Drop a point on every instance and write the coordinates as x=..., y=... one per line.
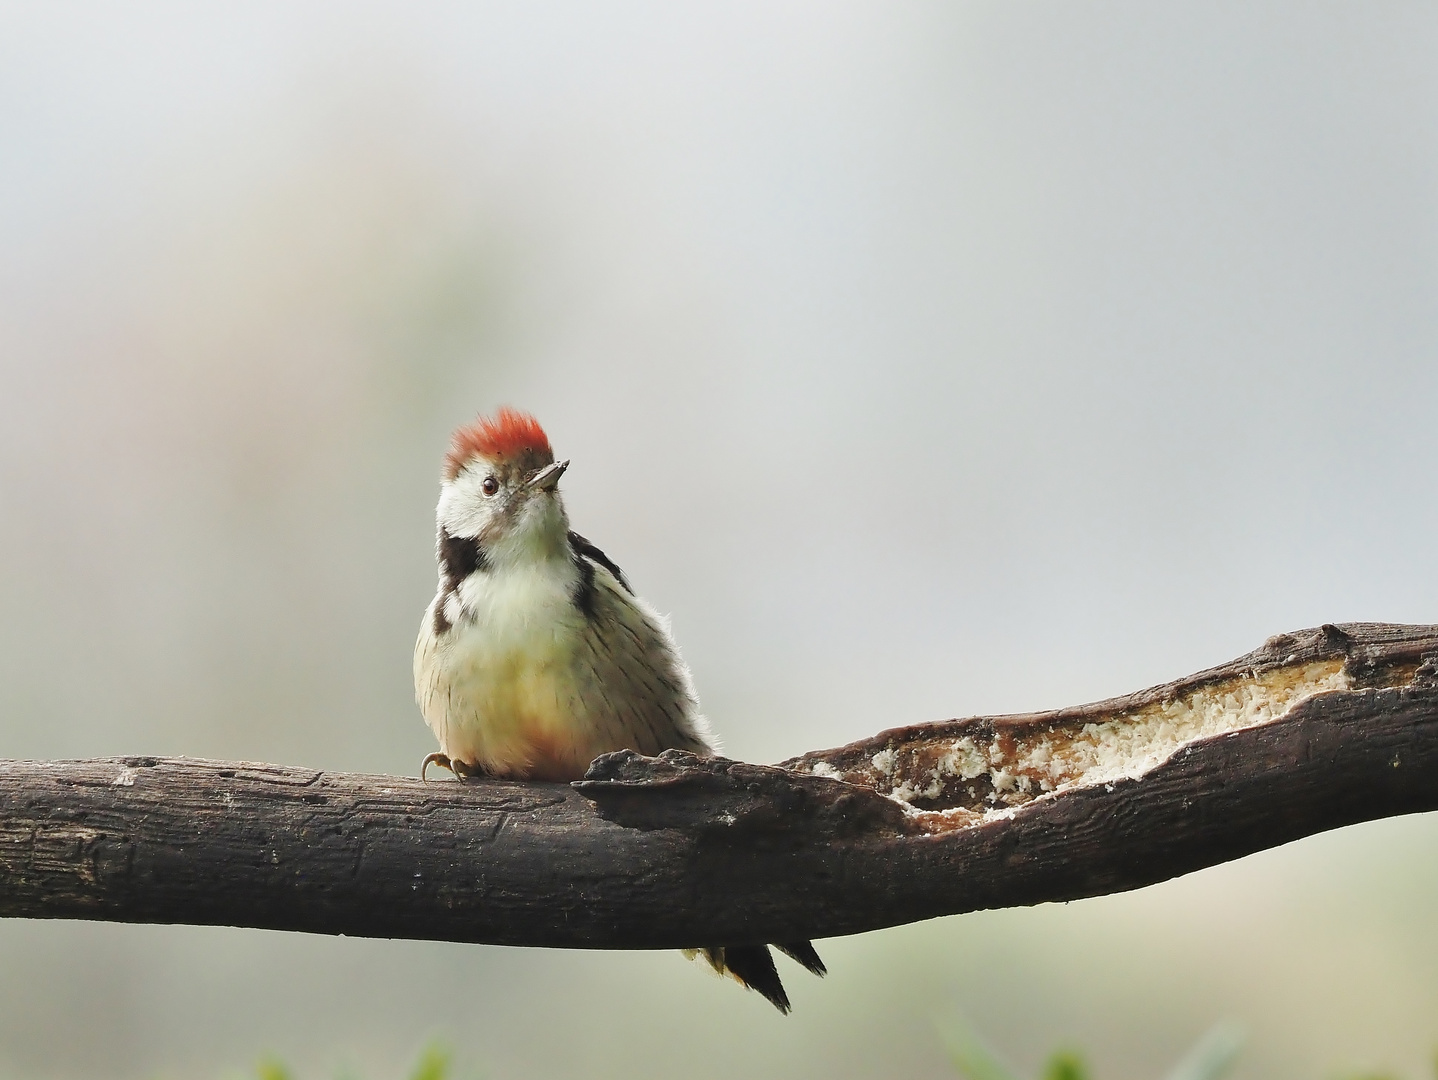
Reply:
x=1315, y=730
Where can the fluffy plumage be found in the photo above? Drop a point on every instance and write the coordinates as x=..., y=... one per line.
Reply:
x=535, y=656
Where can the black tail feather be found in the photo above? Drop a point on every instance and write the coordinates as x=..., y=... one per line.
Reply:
x=802, y=953
x=753, y=966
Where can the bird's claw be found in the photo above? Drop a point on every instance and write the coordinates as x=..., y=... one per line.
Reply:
x=443, y=761
x=454, y=765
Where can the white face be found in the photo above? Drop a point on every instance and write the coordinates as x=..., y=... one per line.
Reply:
x=492, y=501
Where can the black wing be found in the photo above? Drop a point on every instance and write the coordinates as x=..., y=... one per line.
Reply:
x=583, y=549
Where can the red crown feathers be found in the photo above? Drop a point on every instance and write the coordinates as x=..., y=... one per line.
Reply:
x=506, y=434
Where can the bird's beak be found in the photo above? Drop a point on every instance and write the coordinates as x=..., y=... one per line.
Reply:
x=548, y=477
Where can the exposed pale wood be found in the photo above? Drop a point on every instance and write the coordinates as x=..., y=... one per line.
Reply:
x=677, y=851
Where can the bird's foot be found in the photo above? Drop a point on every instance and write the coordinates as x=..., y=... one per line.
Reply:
x=443, y=761
x=460, y=769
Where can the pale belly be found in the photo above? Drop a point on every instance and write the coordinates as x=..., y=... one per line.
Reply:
x=508, y=707
x=526, y=685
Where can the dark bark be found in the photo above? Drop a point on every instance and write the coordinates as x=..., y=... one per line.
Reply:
x=1316, y=730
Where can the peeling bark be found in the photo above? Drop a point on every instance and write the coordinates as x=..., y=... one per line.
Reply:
x=1315, y=730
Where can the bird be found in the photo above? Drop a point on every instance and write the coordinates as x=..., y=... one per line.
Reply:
x=536, y=656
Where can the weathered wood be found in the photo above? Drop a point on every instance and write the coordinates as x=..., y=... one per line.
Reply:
x=1315, y=730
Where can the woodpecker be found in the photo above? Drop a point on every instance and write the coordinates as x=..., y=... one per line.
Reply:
x=536, y=656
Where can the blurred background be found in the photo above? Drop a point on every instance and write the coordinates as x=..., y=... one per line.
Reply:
x=921, y=359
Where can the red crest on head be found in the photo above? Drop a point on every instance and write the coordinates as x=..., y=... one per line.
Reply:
x=506, y=434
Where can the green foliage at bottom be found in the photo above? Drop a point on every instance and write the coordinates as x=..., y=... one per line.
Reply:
x=436, y=1062
x=1065, y=1065
x=1211, y=1058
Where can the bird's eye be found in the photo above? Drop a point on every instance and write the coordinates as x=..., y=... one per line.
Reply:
x=490, y=485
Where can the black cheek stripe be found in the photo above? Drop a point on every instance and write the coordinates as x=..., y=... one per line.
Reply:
x=459, y=556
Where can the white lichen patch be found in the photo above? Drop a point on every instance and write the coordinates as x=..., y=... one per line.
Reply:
x=971, y=778
x=1129, y=745
x=907, y=793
